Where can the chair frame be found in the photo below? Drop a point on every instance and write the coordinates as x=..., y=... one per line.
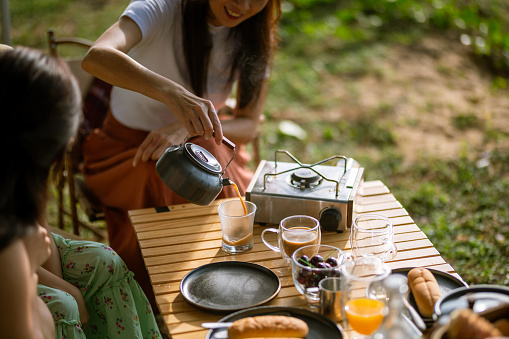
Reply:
x=65, y=170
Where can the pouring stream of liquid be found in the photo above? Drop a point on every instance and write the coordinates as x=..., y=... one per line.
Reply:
x=240, y=197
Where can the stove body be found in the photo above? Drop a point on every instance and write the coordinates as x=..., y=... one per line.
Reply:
x=327, y=193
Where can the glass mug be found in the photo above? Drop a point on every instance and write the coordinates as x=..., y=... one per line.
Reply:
x=294, y=232
x=372, y=235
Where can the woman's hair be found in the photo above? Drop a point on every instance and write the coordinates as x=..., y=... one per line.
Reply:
x=40, y=112
x=254, y=42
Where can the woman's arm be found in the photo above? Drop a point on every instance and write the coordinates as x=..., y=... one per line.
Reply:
x=53, y=263
x=49, y=279
x=50, y=274
x=107, y=59
x=243, y=128
x=23, y=316
x=38, y=247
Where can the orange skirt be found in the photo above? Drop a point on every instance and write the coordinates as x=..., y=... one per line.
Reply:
x=108, y=155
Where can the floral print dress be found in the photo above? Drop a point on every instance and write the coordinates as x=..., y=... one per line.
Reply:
x=116, y=304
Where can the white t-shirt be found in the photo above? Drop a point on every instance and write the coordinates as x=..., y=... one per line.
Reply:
x=161, y=50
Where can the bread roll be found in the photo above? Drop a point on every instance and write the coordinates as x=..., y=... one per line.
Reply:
x=503, y=326
x=425, y=289
x=465, y=323
x=268, y=326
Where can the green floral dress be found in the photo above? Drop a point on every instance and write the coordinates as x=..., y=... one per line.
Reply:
x=116, y=305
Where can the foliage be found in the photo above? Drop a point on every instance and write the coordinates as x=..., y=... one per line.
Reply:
x=482, y=24
x=460, y=206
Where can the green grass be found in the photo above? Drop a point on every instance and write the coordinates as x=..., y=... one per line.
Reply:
x=460, y=204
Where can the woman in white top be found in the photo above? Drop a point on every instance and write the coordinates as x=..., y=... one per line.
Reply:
x=173, y=65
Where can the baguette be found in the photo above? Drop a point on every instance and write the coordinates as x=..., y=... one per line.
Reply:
x=425, y=289
x=465, y=323
x=268, y=326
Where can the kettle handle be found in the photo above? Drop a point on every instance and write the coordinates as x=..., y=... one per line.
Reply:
x=228, y=143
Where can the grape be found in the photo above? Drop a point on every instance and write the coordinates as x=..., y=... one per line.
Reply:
x=332, y=261
x=320, y=265
x=316, y=259
x=304, y=260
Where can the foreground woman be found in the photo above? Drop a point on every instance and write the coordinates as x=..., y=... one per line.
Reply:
x=81, y=282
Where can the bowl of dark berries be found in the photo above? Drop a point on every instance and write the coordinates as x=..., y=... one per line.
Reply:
x=313, y=263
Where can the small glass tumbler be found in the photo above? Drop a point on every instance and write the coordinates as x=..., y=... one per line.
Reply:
x=236, y=226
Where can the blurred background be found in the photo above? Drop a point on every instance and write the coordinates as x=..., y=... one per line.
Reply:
x=415, y=90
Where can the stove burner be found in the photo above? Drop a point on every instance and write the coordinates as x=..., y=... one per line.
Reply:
x=304, y=175
x=304, y=178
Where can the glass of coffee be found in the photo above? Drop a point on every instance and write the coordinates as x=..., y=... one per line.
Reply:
x=236, y=225
x=294, y=232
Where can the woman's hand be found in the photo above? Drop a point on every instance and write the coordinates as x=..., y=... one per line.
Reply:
x=197, y=115
x=82, y=308
x=37, y=244
x=158, y=141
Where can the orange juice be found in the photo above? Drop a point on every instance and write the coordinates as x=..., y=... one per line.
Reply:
x=364, y=315
x=240, y=197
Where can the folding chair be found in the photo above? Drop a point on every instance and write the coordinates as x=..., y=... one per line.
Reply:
x=95, y=94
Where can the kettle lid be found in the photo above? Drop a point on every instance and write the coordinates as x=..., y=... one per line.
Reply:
x=202, y=158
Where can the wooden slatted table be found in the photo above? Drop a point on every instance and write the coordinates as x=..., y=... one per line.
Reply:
x=177, y=239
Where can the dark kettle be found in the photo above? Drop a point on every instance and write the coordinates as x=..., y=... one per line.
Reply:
x=192, y=172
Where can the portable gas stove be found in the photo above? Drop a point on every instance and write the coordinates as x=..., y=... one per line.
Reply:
x=328, y=193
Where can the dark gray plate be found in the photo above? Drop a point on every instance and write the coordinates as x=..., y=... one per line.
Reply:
x=229, y=286
x=479, y=297
x=319, y=325
x=446, y=281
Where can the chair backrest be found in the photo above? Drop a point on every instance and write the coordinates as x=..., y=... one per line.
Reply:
x=95, y=92
x=84, y=79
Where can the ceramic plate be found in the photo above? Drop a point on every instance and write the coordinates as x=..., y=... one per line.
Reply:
x=478, y=297
x=229, y=286
x=319, y=325
x=446, y=281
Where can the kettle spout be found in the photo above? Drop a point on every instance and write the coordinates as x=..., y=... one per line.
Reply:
x=226, y=182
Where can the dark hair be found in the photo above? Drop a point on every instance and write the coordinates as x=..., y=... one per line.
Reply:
x=40, y=112
x=254, y=41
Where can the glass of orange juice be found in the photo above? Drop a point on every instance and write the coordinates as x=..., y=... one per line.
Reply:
x=362, y=314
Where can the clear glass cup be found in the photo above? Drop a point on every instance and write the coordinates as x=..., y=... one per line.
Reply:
x=373, y=235
x=236, y=226
x=362, y=313
x=294, y=232
x=307, y=272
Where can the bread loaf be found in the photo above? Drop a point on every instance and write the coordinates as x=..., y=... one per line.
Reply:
x=425, y=290
x=268, y=326
x=503, y=326
x=465, y=323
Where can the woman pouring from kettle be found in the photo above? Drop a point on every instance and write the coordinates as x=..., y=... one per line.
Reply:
x=173, y=65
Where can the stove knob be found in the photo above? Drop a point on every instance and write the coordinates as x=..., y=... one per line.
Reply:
x=330, y=218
